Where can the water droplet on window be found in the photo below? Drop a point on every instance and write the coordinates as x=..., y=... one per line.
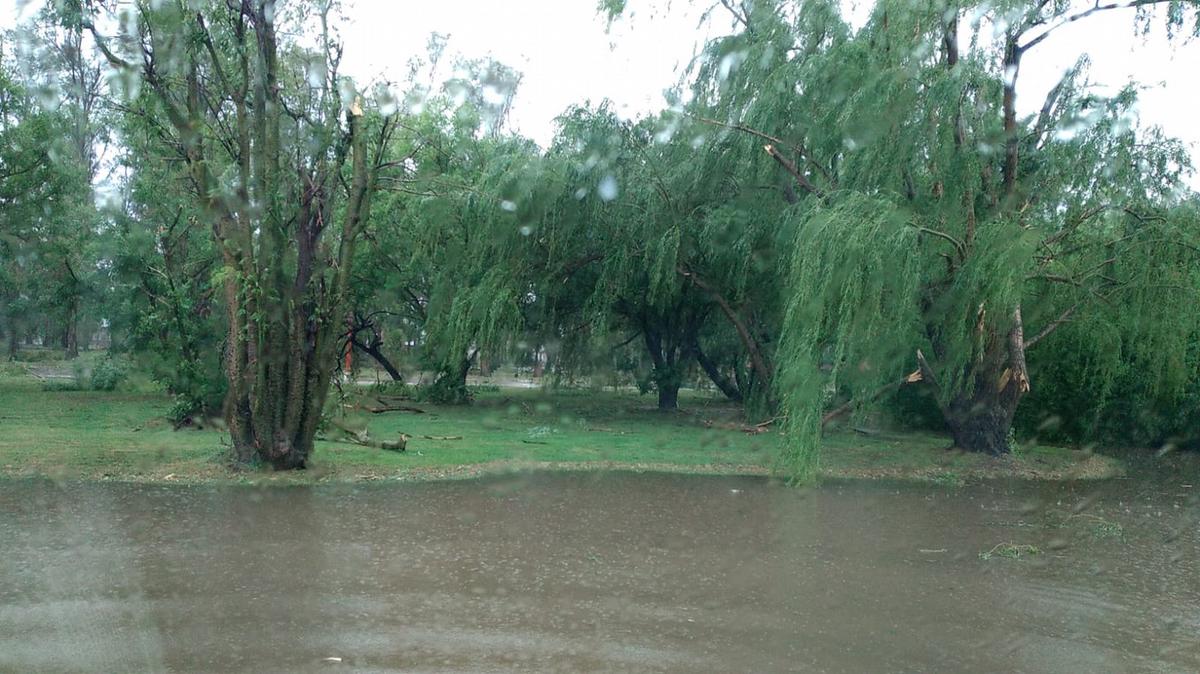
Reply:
x=729, y=63
x=607, y=189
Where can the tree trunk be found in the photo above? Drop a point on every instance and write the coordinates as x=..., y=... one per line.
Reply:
x=980, y=418
x=450, y=387
x=377, y=355
x=279, y=377
x=714, y=373
x=667, y=373
x=14, y=339
x=668, y=395
x=456, y=378
x=71, y=331
x=980, y=422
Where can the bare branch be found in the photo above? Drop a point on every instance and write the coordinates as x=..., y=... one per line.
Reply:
x=1054, y=324
x=788, y=166
x=1129, y=4
x=958, y=245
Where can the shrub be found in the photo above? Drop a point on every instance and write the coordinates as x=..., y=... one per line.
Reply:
x=108, y=374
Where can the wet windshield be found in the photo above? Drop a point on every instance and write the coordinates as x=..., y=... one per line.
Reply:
x=631, y=335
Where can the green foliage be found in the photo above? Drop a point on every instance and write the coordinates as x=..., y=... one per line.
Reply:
x=822, y=205
x=921, y=227
x=108, y=373
x=166, y=300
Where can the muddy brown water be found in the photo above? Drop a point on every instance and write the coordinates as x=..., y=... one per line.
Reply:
x=607, y=572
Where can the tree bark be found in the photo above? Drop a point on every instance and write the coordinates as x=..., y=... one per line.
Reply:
x=667, y=376
x=718, y=378
x=980, y=418
x=980, y=422
x=71, y=331
x=379, y=357
x=668, y=395
x=14, y=337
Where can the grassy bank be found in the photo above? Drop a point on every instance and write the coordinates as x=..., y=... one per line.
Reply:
x=122, y=435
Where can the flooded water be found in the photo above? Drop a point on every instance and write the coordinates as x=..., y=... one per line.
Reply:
x=617, y=572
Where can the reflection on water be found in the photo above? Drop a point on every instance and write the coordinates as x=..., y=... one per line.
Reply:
x=599, y=572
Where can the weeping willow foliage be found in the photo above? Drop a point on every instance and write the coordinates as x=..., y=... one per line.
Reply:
x=855, y=278
x=453, y=255
x=1137, y=354
x=907, y=235
x=666, y=234
x=618, y=235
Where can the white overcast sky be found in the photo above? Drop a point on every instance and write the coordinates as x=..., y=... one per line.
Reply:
x=567, y=56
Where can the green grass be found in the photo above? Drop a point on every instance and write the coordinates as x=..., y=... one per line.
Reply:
x=123, y=435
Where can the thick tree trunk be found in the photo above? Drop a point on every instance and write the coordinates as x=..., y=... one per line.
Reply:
x=667, y=373
x=982, y=422
x=668, y=395
x=457, y=378
x=980, y=418
x=450, y=387
x=277, y=391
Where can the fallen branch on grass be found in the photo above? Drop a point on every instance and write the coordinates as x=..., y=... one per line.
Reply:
x=392, y=408
x=363, y=437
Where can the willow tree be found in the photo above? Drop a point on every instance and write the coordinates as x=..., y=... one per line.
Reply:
x=941, y=235
x=447, y=260
x=616, y=231
x=282, y=161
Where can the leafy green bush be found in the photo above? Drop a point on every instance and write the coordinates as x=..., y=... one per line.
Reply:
x=198, y=401
x=108, y=374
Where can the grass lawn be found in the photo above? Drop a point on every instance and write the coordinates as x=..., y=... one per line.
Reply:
x=96, y=435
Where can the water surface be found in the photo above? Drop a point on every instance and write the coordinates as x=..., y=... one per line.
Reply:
x=616, y=572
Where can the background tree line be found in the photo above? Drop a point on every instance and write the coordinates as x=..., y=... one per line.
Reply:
x=828, y=221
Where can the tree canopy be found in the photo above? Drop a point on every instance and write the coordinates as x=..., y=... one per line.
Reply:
x=824, y=219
